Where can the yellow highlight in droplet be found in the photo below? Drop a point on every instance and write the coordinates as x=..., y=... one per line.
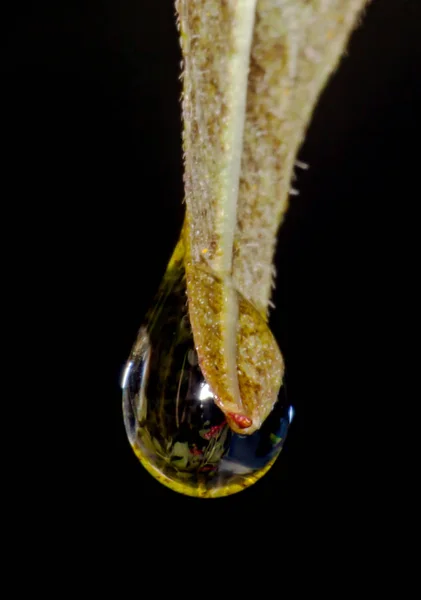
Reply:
x=238, y=484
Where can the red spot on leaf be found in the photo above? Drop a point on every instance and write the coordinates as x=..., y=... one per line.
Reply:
x=195, y=451
x=241, y=420
x=207, y=468
x=214, y=431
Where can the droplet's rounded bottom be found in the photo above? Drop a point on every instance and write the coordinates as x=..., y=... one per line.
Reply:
x=174, y=426
x=201, y=489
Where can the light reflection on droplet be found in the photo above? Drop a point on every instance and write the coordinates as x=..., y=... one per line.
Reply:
x=126, y=374
x=205, y=393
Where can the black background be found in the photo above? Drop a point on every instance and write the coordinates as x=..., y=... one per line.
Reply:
x=92, y=198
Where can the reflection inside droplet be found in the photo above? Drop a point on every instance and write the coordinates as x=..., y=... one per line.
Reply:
x=126, y=373
x=205, y=393
x=172, y=422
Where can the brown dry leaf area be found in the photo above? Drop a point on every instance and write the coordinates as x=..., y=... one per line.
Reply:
x=260, y=365
x=245, y=383
x=253, y=71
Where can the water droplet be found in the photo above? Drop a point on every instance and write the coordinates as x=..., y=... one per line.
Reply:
x=173, y=425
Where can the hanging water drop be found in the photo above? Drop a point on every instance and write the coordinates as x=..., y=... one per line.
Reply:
x=172, y=421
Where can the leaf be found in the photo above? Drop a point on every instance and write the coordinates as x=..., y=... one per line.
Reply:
x=253, y=89
x=180, y=462
x=158, y=445
x=181, y=449
x=274, y=439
